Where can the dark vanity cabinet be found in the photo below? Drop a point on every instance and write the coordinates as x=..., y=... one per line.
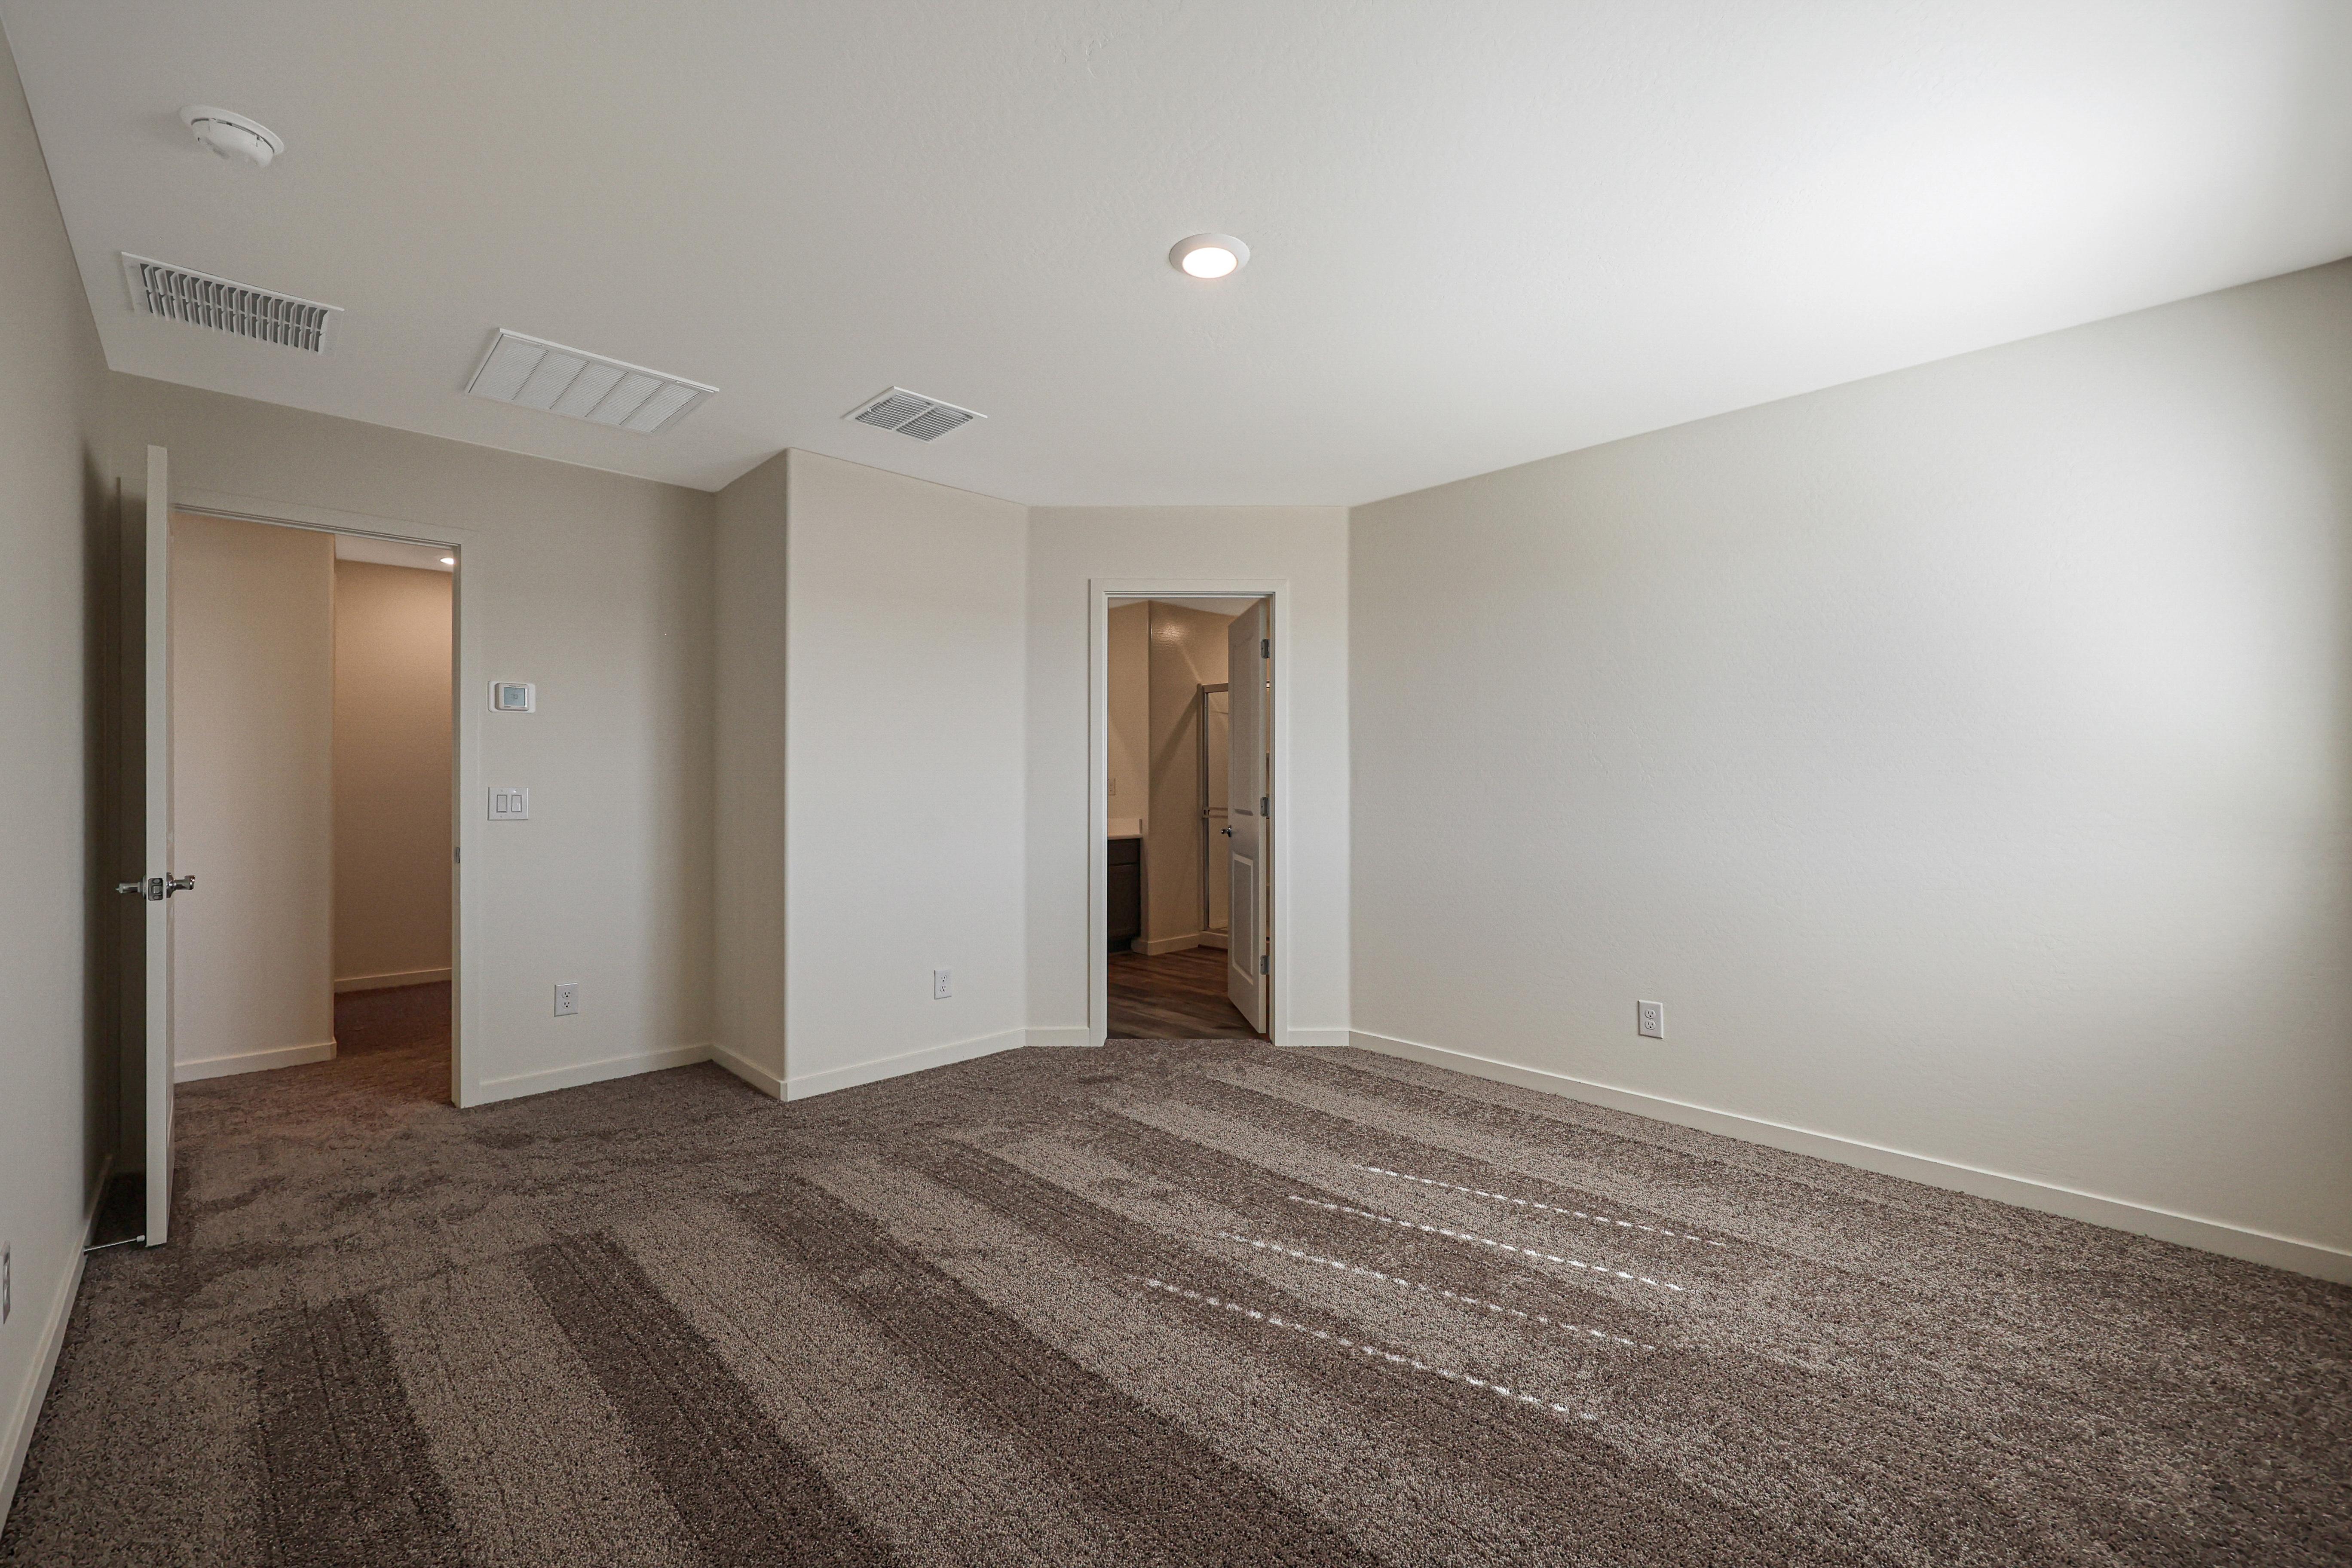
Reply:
x=1126, y=892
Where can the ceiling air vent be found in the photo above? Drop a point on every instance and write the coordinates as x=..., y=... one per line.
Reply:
x=205, y=301
x=581, y=385
x=912, y=414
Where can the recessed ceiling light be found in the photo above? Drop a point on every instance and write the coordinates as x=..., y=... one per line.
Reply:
x=1209, y=255
x=233, y=135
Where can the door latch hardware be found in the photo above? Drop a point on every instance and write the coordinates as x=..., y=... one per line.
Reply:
x=180, y=885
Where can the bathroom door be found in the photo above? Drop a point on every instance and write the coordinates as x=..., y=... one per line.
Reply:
x=1249, y=955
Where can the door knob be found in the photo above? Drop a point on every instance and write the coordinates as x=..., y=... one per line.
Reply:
x=180, y=885
x=1226, y=831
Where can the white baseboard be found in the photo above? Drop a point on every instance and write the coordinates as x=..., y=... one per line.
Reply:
x=1061, y=1035
x=2212, y=1236
x=759, y=1078
x=1158, y=945
x=1317, y=1037
x=387, y=981
x=252, y=1062
x=516, y=1085
x=802, y=1086
x=27, y=1409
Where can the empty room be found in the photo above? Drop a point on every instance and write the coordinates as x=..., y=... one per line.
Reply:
x=1127, y=782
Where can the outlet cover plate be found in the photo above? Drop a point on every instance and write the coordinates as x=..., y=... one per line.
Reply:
x=1649, y=1020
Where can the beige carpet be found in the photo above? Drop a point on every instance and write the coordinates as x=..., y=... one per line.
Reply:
x=1161, y=1303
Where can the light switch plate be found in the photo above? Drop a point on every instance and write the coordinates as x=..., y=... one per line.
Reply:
x=513, y=696
x=509, y=805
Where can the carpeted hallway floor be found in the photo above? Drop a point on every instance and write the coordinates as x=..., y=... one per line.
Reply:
x=1159, y=1303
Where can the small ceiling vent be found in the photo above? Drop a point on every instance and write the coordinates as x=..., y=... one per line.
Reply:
x=578, y=385
x=912, y=414
x=180, y=295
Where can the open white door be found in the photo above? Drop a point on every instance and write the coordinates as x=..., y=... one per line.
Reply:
x=1248, y=833
x=161, y=880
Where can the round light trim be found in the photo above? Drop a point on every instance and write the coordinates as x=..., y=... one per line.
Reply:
x=1209, y=255
x=233, y=135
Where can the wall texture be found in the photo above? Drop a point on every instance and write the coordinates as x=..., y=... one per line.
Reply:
x=1187, y=652
x=253, y=818
x=1069, y=548
x=392, y=760
x=1964, y=757
x=56, y=1064
x=903, y=756
x=1128, y=778
x=597, y=587
x=747, y=816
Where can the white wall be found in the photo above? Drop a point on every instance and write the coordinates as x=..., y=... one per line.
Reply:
x=748, y=819
x=1187, y=652
x=1070, y=546
x=903, y=757
x=597, y=587
x=57, y=1069
x=1964, y=757
x=1127, y=779
x=392, y=761
x=253, y=818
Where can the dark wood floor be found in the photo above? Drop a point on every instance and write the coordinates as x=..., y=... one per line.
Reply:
x=1174, y=996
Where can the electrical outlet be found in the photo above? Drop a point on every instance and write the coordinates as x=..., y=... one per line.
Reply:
x=1650, y=1019
x=940, y=988
x=567, y=999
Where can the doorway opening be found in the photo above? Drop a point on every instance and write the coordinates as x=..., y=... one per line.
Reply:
x=313, y=751
x=1187, y=757
x=291, y=780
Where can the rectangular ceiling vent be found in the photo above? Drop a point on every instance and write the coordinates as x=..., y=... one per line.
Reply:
x=581, y=385
x=912, y=414
x=180, y=295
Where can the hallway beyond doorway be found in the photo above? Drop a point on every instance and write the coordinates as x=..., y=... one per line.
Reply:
x=1174, y=996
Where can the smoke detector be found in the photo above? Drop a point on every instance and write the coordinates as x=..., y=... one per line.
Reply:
x=233, y=135
x=911, y=414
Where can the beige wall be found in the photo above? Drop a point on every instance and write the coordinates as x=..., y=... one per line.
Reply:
x=903, y=767
x=598, y=588
x=748, y=817
x=253, y=708
x=1187, y=652
x=392, y=759
x=1963, y=757
x=1127, y=779
x=56, y=1064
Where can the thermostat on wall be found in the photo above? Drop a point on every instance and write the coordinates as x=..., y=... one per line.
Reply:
x=513, y=696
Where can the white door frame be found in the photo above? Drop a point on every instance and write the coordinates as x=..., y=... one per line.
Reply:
x=1100, y=592
x=466, y=676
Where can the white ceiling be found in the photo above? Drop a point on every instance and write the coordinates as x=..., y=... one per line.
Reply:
x=390, y=552
x=1228, y=608
x=1483, y=232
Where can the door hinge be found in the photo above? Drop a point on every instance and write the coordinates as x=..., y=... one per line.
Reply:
x=1262, y=810
x=1261, y=963
x=1266, y=647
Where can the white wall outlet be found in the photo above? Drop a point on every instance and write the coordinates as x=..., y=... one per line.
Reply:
x=941, y=986
x=509, y=805
x=1650, y=1019
x=567, y=999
